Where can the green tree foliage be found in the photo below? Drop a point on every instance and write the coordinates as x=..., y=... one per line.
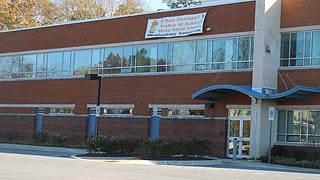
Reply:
x=181, y=3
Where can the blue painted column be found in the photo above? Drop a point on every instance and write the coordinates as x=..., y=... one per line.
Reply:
x=92, y=122
x=39, y=119
x=155, y=124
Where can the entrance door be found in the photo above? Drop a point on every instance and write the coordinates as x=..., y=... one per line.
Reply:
x=239, y=129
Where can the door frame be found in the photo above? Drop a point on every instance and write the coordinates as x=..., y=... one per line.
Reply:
x=240, y=139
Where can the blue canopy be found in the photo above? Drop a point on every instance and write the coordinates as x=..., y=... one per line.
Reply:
x=216, y=92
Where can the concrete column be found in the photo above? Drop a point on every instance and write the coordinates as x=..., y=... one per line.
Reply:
x=260, y=128
x=266, y=61
x=155, y=124
x=154, y=127
x=39, y=119
x=92, y=122
x=267, y=41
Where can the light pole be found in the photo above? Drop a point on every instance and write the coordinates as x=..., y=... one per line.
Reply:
x=96, y=77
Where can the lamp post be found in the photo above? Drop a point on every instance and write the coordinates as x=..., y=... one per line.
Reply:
x=96, y=77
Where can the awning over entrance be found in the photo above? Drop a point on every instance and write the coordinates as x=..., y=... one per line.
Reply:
x=216, y=92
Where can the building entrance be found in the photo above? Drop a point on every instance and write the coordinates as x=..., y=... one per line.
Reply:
x=239, y=127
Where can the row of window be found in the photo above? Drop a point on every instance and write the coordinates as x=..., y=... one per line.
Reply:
x=129, y=111
x=230, y=53
x=300, y=49
x=300, y=126
x=297, y=49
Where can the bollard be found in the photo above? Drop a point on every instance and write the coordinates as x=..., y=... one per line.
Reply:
x=235, y=149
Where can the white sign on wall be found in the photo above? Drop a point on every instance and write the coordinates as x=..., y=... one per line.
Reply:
x=175, y=26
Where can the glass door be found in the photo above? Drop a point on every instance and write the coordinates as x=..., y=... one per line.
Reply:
x=239, y=130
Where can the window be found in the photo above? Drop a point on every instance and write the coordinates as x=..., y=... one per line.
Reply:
x=146, y=56
x=299, y=126
x=112, y=60
x=182, y=56
x=61, y=110
x=82, y=62
x=300, y=49
x=118, y=111
x=5, y=67
x=55, y=64
x=239, y=112
x=201, y=55
x=162, y=57
x=185, y=112
x=224, y=53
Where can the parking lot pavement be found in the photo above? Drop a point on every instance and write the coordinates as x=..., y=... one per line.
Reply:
x=216, y=163
x=40, y=150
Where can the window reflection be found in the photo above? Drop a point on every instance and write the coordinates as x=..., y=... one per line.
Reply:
x=27, y=66
x=185, y=56
x=112, y=60
x=128, y=60
x=55, y=64
x=300, y=126
x=146, y=58
x=5, y=67
x=300, y=49
x=162, y=57
x=82, y=62
x=224, y=53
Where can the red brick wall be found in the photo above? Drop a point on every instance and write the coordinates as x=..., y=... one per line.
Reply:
x=17, y=127
x=18, y=110
x=213, y=130
x=73, y=127
x=138, y=90
x=223, y=19
x=297, y=13
x=133, y=128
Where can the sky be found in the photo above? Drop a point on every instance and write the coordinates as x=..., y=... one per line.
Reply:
x=157, y=4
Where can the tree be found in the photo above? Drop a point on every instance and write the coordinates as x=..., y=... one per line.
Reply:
x=71, y=10
x=181, y=3
x=22, y=14
x=129, y=7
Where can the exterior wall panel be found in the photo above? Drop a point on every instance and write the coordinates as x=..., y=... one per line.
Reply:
x=74, y=128
x=17, y=127
x=223, y=19
x=130, y=127
x=138, y=90
x=296, y=13
x=213, y=130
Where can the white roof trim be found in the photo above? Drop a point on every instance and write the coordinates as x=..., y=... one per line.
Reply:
x=178, y=106
x=37, y=105
x=119, y=106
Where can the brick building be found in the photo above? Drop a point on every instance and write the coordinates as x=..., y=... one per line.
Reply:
x=213, y=72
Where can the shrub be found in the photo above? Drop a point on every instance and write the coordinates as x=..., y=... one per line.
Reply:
x=159, y=148
x=294, y=162
x=111, y=145
x=152, y=149
x=46, y=137
x=298, y=153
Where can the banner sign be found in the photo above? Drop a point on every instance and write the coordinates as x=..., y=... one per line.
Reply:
x=175, y=26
